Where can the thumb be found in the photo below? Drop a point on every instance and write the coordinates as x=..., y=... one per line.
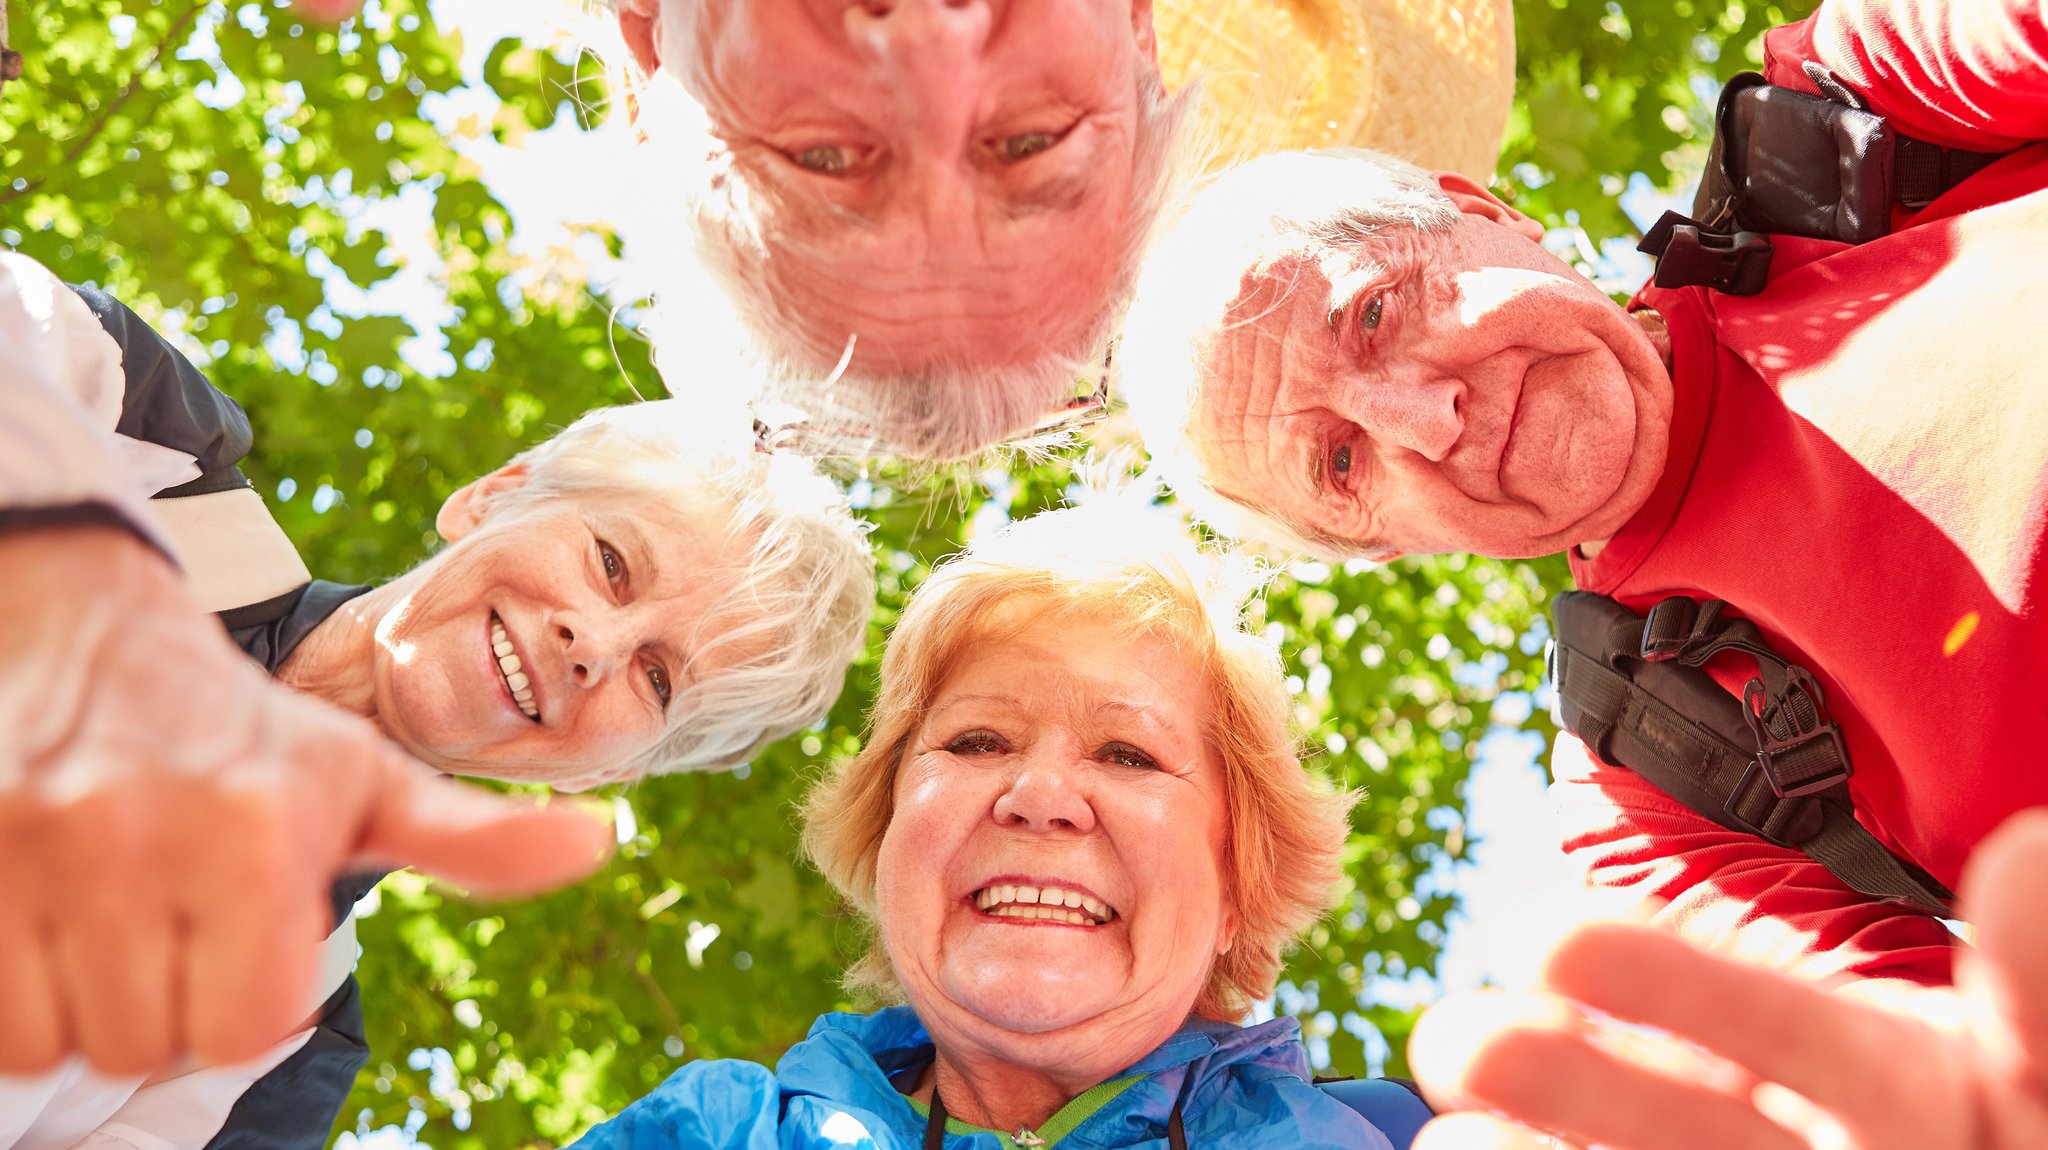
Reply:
x=485, y=842
x=2005, y=980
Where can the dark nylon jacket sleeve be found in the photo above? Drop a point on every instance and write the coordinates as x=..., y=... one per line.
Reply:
x=169, y=402
x=294, y=1106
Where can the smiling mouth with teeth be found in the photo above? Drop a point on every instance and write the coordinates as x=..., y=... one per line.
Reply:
x=508, y=668
x=1042, y=904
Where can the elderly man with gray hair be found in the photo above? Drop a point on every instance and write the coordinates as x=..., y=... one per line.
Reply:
x=1837, y=471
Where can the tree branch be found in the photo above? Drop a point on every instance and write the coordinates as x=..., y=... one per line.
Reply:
x=84, y=140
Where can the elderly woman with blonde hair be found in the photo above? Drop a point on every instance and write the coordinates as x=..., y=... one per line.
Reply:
x=1082, y=840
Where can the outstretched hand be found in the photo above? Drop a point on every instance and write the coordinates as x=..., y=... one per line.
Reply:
x=1795, y=1066
x=170, y=819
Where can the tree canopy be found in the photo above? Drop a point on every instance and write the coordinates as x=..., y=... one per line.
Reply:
x=217, y=166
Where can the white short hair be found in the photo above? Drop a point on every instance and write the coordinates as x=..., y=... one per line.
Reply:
x=1242, y=221
x=798, y=608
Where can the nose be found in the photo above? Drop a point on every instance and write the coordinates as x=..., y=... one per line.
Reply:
x=1049, y=792
x=906, y=20
x=592, y=650
x=1414, y=408
x=927, y=55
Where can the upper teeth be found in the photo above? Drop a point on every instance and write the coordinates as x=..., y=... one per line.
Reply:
x=1057, y=904
x=508, y=665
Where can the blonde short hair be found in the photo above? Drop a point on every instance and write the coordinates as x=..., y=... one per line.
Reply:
x=1134, y=568
x=797, y=605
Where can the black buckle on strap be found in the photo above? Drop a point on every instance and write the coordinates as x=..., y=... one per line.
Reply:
x=1690, y=254
x=1668, y=630
x=1808, y=755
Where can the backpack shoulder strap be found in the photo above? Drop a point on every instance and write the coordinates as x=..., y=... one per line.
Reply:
x=1771, y=764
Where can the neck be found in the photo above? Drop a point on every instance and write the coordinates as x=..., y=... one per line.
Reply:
x=1657, y=330
x=335, y=661
x=995, y=1096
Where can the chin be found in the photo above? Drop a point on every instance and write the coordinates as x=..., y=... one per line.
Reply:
x=1015, y=1006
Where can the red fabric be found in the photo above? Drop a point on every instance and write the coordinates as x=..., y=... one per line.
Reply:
x=1859, y=462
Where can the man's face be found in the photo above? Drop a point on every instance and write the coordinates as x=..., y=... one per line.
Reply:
x=1460, y=390
x=947, y=181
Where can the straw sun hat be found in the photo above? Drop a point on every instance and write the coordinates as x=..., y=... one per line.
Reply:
x=1428, y=80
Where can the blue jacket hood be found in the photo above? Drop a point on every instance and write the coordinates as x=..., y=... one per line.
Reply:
x=1250, y=1087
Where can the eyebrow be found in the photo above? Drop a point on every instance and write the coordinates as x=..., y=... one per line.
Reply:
x=1120, y=706
x=1135, y=710
x=960, y=700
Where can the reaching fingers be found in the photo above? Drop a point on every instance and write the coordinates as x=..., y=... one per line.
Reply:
x=480, y=840
x=32, y=1037
x=114, y=938
x=2006, y=979
x=1541, y=1061
x=1836, y=1052
x=257, y=913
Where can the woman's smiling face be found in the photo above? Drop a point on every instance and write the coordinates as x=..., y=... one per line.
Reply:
x=547, y=642
x=1052, y=888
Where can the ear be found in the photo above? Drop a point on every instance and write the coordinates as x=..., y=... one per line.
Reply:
x=638, y=20
x=1473, y=199
x=471, y=503
x=1141, y=29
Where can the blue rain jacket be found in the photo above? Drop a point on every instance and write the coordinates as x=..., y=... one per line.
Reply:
x=833, y=1091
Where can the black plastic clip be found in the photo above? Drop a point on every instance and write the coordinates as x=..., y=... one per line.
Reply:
x=1808, y=755
x=1689, y=254
x=1669, y=629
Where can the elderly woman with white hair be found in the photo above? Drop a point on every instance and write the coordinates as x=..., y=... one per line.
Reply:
x=928, y=213
x=638, y=594
x=1082, y=841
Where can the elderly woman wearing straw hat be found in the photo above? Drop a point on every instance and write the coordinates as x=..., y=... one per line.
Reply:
x=928, y=214
x=1082, y=840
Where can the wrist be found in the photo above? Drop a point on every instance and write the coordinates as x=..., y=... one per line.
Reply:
x=70, y=519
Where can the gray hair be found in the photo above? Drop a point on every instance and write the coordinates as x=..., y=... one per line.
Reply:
x=796, y=610
x=1240, y=223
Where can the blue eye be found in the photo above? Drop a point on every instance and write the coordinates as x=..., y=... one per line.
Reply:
x=1340, y=463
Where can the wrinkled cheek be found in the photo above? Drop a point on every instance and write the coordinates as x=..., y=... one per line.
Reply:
x=1573, y=447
